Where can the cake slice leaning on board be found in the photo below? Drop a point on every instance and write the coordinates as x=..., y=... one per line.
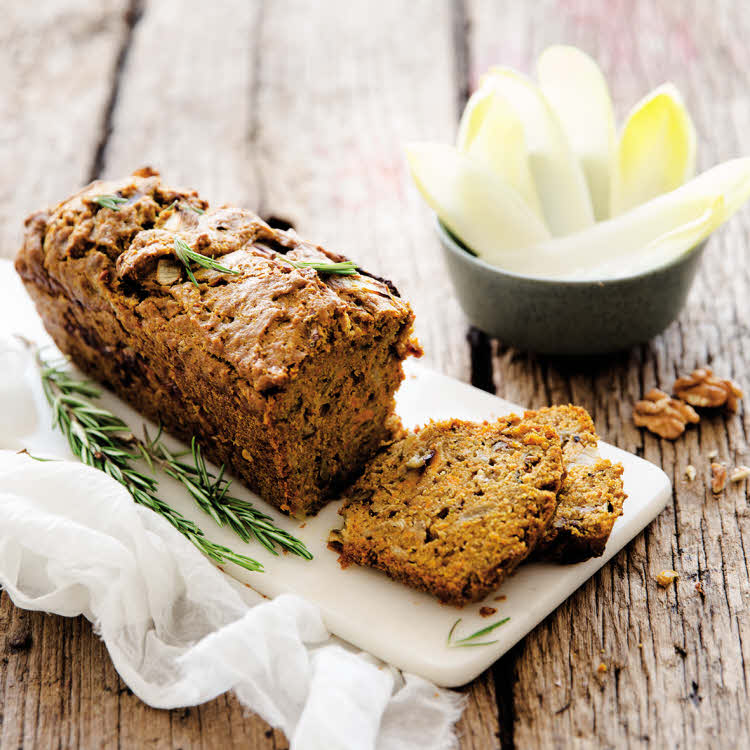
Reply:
x=453, y=508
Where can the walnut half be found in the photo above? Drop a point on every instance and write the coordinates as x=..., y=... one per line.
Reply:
x=663, y=415
x=703, y=389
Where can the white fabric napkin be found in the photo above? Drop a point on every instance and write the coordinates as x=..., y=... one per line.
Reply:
x=179, y=631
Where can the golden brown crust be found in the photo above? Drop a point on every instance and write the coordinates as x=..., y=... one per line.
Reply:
x=591, y=497
x=589, y=503
x=453, y=508
x=284, y=374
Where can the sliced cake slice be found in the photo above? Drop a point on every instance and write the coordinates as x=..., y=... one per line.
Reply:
x=591, y=496
x=453, y=508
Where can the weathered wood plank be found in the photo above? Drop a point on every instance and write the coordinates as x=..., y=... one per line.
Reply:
x=677, y=666
x=57, y=61
x=185, y=103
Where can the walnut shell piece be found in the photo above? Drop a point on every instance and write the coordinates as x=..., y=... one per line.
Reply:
x=663, y=415
x=703, y=389
x=718, y=477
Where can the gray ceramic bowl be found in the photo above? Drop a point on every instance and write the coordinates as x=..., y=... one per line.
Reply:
x=568, y=317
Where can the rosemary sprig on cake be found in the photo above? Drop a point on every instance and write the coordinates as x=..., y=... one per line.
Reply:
x=102, y=440
x=186, y=256
x=344, y=268
x=110, y=201
x=471, y=640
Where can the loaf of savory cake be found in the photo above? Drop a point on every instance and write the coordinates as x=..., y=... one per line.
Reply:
x=287, y=375
x=453, y=508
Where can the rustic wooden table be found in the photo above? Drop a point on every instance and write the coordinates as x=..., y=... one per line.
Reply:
x=300, y=110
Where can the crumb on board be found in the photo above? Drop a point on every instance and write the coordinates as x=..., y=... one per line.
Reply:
x=500, y=598
x=699, y=588
x=740, y=473
x=487, y=611
x=690, y=472
x=712, y=455
x=666, y=578
x=602, y=668
x=718, y=477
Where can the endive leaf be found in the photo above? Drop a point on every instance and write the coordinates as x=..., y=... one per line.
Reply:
x=473, y=202
x=646, y=237
x=491, y=132
x=578, y=93
x=473, y=116
x=558, y=176
x=656, y=150
x=665, y=248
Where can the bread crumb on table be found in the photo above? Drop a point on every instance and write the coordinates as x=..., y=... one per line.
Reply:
x=487, y=611
x=666, y=578
x=740, y=473
x=690, y=472
x=602, y=668
x=699, y=588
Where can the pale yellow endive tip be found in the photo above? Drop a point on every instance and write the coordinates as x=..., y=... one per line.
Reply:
x=491, y=132
x=655, y=152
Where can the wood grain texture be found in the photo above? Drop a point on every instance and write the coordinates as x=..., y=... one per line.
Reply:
x=186, y=99
x=57, y=62
x=300, y=110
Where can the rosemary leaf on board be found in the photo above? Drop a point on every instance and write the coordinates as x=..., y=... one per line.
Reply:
x=470, y=640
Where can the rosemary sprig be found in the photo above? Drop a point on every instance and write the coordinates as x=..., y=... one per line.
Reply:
x=211, y=493
x=110, y=201
x=186, y=256
x=102, y=440
x=345, y=268
x=470, y=640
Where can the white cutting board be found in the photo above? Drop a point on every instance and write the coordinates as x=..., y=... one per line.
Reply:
x=394, y=623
